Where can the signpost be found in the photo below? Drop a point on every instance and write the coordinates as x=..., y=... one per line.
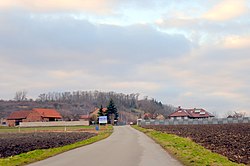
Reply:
x=102, y=120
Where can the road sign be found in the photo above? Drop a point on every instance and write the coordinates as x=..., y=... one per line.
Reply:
x=103, y=119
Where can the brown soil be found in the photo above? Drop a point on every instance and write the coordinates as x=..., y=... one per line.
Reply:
x=230, y=140
x=17, y=143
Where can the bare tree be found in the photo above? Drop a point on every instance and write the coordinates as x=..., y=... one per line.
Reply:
x=21, y=95
x=215, y=114
x=237, y=115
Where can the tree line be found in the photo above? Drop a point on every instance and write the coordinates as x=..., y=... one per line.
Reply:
x=73, y=104
x=95, y=97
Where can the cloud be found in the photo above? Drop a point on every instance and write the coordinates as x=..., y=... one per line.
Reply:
x=96, y=6
x=57, y=40
x=135, y=85
x=235, y=42
x=226, y=10
x=213, y=77
x=48, y=50
x=182, y=59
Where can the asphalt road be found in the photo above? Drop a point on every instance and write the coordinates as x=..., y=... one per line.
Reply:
x=125, y=147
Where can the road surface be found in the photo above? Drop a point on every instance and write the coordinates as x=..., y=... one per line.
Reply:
x=125, y=147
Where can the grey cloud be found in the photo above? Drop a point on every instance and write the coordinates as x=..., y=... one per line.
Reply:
x=207, y=29
x=33, y=46
x=67, y=42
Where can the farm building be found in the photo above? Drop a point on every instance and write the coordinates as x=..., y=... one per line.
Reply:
x=194, y=113
x=34, y=115
x=92, y=115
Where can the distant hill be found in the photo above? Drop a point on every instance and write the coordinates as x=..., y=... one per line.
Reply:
x=73, y=104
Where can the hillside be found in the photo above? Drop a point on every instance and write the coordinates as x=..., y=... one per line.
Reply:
x=73, y=104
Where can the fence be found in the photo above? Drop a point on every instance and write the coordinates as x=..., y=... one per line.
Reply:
x=57, y=123
x=194, y=121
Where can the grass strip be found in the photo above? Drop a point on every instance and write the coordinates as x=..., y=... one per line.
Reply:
x=187, y=151
x=41, y=154
x=37, y=129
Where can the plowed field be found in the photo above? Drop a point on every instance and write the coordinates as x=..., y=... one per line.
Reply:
x=17, y=143
x=230, y=140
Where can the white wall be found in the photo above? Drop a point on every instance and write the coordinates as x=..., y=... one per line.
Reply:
x=56, y=123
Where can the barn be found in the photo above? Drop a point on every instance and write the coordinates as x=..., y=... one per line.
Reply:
x=34, y=115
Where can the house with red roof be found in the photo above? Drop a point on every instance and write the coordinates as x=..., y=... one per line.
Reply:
x=92, y=115
x=195, y=113
x=34, y=115
x=147, y=116
x=47, y=114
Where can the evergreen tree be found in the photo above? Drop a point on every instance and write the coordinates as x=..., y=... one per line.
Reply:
x=101, y=112
x=111, y=113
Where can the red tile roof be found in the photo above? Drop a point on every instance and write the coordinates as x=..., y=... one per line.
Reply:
x=95, y=112
x=191, y=113
x=48, y=113
x=18, y=115
x=180, y=113
x=199, y=113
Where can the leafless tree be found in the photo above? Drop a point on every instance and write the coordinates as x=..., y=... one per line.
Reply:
x=236, y=115
x=215, y=114
x=21, y=95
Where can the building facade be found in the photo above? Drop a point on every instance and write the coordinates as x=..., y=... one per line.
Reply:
x=195, y=113
x=34, y=115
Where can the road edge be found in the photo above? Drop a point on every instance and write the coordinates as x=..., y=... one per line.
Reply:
x=41, y=154
x=182, y=146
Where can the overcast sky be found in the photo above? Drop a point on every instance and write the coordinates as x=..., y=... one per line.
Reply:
x=181, y=52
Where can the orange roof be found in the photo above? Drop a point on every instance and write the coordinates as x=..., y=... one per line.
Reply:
x=48, y=113
x=18, y=115
x=95, y=112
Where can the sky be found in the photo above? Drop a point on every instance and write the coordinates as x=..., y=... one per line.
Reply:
x=194, y=54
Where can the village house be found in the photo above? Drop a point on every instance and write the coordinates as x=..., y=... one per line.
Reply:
x=147, y=116
x=194, y=113
x=92, y=115
x=157, y=116
x=34, y=115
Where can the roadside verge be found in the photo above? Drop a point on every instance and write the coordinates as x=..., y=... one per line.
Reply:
x=41, y=154
x=186, y=151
